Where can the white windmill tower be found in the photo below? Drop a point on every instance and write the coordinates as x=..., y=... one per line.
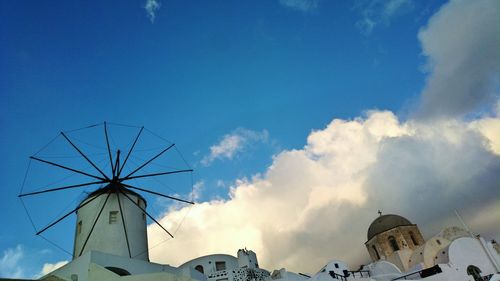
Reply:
x=112, y=218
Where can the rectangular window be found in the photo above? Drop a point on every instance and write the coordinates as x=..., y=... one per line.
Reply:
x=113, y=217
x=220, y=265
x=79, y=227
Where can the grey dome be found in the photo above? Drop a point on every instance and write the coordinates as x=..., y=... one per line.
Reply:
x=384, y=223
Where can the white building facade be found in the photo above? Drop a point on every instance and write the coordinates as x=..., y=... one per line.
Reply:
x=114, y=247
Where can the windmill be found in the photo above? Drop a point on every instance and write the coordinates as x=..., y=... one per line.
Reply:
x=112, y=217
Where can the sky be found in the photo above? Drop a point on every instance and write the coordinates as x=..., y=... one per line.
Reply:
x=300, y=118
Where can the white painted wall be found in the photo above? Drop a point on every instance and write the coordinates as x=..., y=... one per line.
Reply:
x=247, y=258
x=467, y=251
x=80, y=267
x=208, y=262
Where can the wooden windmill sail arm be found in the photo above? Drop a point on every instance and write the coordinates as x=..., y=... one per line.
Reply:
x=149, y=161
x=95, y=222
x=84, y=156
x=61, y=188
x=158, y=174
x=130, y=151
x=66, y=168
x=69, y=213
x=142, y=209
x=123, y=222
x=159, y=194
x=109, y=149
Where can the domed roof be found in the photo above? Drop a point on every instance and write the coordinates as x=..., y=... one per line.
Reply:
x=384, y=223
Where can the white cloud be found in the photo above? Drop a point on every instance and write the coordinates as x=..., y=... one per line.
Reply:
x=195, y=194
x=490, y=127
x=375, y=12
x=234, y=143
x=462, y=44
x=220, y=183
x=301, y=5
x=316, y=203
x=49, y=267
x=10, y=263
x=18, y=263
x=152, y=6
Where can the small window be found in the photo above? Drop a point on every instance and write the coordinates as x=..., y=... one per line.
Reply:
x=220, y=265
x=439, y=242
x=199, y=268
x=393, y=243
x=336, y=265
x=143, y=216
x=79, y=227
x=113, y=217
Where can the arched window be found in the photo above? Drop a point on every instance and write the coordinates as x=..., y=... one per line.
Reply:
x=393, y=243
x=199, y=268
x=376, y=252
x=475, y=272
x=412, y=236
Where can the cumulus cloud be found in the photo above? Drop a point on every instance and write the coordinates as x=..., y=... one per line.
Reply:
x=152, y=6
x=301, y=5
x=49, y=267
x=10, y=263
x=375, y=12
x=316, y=203
x=195, y=194
x=234, y=143
x=462, y=44
x=18, y=263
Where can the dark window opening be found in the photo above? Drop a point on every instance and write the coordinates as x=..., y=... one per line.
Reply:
x=220, y=265
x=394, y=243
x=117, y=270
x=475, y=272
x=336, y=265
x=199, y=268
x=430, y=271
x=79, y=227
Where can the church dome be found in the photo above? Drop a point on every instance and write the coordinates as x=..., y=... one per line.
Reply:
x=384, y=223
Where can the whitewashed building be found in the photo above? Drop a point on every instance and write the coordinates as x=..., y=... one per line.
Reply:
x=399, y=252
x=114, y=247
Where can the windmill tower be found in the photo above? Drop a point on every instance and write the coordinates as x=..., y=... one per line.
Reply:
x=120, y=228
x=112, y=218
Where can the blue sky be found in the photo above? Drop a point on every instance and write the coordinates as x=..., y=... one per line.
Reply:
x=258, y=75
